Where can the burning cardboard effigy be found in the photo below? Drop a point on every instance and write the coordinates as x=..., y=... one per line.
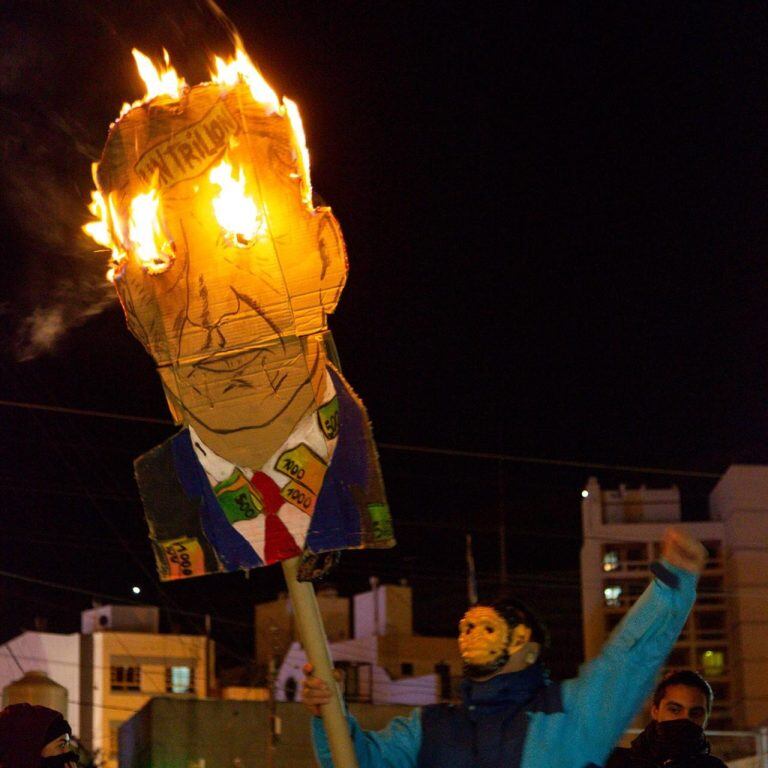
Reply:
x=227, y=272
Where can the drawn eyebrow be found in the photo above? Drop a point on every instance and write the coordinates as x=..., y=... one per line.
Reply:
x=259, y=311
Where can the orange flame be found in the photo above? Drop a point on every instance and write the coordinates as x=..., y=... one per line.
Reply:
x=102, y=230
x=292, y=110
x=237, y=214
x=159, y=82
x=148, y=243
x=242, y=68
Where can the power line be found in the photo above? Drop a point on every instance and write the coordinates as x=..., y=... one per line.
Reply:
x=510, y=458
x=84, y=412
x=457, y=453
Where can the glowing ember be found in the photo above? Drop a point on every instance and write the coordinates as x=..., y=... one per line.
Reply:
x=145, y=234
x=242, y=68
x=159, y=82
x=237, y=214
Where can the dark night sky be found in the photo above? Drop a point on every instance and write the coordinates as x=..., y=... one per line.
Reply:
x=556, y=228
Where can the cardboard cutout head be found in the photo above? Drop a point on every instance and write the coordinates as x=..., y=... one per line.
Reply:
x=231, y=318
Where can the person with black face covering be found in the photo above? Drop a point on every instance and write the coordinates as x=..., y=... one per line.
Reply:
x=32, y=736
x=675, y=736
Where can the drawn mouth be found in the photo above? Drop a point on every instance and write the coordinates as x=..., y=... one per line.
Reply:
x=229, y=364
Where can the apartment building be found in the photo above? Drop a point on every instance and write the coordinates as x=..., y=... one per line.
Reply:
x=111, y=669
x=726, y=635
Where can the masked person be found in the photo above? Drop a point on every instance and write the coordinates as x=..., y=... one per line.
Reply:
x=35, y=737
x=511, y=715
x=675, y=737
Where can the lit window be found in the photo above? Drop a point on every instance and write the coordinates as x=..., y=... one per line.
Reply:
x=610, y=560
x=179, y=680
x=612, y=595
x=713, y=663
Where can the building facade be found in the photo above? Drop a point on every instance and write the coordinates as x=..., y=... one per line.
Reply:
x=726, y=635
x=383, y=661
x=275, y=628
x=115, y=665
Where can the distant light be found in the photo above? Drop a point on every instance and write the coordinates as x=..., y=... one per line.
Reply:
x=584, y=494
x=613, y=595
x=713, y=663
x=136, y=590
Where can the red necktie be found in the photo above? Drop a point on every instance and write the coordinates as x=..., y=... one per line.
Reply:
x=278, y=542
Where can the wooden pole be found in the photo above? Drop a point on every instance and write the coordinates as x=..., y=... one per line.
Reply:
x=312, y=636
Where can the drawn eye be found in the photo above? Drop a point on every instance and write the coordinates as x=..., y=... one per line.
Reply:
x=470, y=627
x=489, y=630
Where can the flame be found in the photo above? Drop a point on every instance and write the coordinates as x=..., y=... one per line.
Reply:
x=237, y=214
x=242, y=68
x=159, y=82
x=145, y=234
x=294, y=117
x=102, y=230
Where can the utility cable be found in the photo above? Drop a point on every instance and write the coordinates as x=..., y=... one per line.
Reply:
x=402, y=447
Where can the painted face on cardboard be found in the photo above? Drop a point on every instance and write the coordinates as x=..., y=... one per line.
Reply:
x=234, y=323
x=489, y=646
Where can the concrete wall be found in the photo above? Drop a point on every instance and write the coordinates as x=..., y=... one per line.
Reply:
x=176, y=733
x=423, y=653
x=126, y=618
x=386, y=610
x=276, y=628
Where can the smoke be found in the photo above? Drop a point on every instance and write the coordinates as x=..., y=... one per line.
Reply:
x=65, y=69
x=41, y=330
x=57, y=277
x=52, y=280
x=43, y=326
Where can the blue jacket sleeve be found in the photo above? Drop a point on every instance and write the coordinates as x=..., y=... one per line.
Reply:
x=397, y=746
x=601, y=702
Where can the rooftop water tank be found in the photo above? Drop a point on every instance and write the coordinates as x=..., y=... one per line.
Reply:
x=36, y=688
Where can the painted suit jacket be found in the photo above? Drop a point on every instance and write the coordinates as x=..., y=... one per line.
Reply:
x=192, y=536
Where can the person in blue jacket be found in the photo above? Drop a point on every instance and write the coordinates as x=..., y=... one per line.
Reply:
x=511, y=715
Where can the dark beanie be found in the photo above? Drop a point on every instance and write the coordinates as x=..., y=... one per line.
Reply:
x=57, y=728
x=24, y=730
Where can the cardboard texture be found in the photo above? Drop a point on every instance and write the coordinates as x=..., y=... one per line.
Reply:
x=275, y=456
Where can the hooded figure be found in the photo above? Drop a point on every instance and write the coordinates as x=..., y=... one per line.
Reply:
x=34, y=737
x=672, y=744
x=682, y=703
